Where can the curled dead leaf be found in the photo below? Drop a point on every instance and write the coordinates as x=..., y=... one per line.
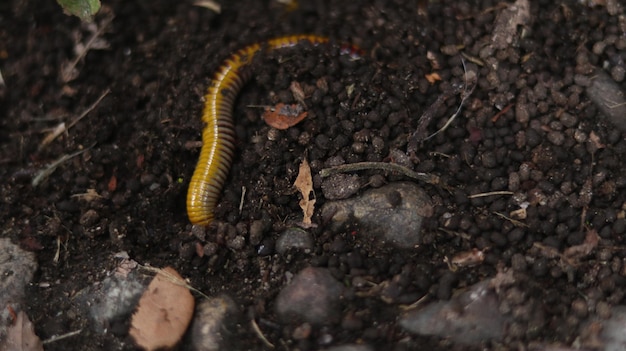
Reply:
x=304, y=184
x=284, y=116
x=164, y=312
x=21, y=336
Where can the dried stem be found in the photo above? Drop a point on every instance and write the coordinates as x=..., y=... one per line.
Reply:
x=391, y=167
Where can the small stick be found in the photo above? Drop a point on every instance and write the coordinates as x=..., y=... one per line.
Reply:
x=242, y=200
x=55, y=338
x=44, y=173
x=259, y=333
x=391, y=167
x=514, y=221
x=62, y=128
x=497, y=116
x=465, y=95
x=89, y=109
x=66, y=73
x=429, y=114
x=491, y=193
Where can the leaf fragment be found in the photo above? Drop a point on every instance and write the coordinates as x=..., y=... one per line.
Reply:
x=164, y=312
x=304, y=184
x=284, y=116
x=21, y=336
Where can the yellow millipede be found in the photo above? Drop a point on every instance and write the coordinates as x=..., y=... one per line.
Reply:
x=218, y=135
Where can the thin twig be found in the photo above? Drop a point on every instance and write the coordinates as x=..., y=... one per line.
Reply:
x=426, y=117
x=89, y=109
x=243, y=198
x=391, y=167
x=461, y=235
x=491, y=193
x=66, y=73
x=466, y=94
x=514, y=221
x=57, y=253
x=419, y=134
x=61, y=128
x=259, y=333
x=44, y=173
x=497, y=116
x=55, y=338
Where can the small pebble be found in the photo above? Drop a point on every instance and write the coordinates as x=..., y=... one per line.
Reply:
x=313, y=296
x=214, y=325
x=294, y=239
x=470, y=318
x=340, y=186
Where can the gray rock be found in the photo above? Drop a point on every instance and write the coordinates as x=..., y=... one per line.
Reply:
x=294, y=238
x=340, y=186
x=608, y=98
x=313, y=296
x=114, y=298
x=614, y=330
x=17, y=268
x=391, y=214
x=469, y=318
x=214, y=323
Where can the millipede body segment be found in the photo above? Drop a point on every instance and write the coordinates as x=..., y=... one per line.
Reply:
x=218, y=135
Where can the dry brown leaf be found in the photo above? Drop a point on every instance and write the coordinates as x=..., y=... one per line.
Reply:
x=21, y=336
x=164, y=312
x=432, y=78
x=304, y=184
x=284, y=116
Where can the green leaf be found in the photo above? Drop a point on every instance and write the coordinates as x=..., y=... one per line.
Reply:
x=84, y=9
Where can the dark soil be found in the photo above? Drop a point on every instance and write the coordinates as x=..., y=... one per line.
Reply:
x=527, y=128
